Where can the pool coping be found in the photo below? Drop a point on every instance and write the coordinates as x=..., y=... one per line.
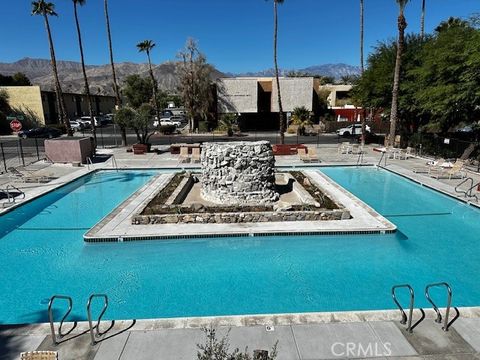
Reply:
x=198, y=322
x=116, y=227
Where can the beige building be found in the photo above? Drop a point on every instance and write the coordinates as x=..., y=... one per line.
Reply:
x=43, y=104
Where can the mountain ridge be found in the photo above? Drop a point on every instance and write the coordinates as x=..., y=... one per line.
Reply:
x=71, y=77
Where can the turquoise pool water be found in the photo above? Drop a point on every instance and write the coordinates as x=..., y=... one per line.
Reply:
x=42, y=253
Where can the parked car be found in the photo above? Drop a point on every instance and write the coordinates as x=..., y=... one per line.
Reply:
x=354, y=129
x=169, y=121
x=108, y=118
x=42, y=132
x=77, y=125
x=87, y=124
x=99, y=121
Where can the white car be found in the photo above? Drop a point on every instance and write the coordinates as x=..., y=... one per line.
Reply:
x=354, y=129
x=87, y=124
x=170, y=121
x=76, y=126
x=97, y=119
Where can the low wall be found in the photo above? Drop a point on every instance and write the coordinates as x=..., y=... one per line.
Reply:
x=67, y=150
x=238, y=173
x=241, y=217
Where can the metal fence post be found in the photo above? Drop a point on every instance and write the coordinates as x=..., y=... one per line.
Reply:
x=36, y=147
x=3, y=157
x=20, y=148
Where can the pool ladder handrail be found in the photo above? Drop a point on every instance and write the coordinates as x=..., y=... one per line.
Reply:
x=381, y=158
x=407, y=319
x=50, y=318
x=446, y=323
x=114, y=162
x=89, y=162
x=10, y=197
x=97, y=333
x=360, y=157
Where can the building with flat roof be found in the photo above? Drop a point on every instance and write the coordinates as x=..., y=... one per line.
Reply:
x=43, y=105
x=255, y=99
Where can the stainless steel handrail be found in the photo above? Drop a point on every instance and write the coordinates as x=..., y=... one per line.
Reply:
x=89, y=162
x=50, y=317
x=465, y=192
x=446, y=324
x=89, y=315
x=360, y=157
x=407, y=319
x=114, y=163
x=16, y=189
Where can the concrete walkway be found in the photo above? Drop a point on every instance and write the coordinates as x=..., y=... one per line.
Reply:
x=347, y=340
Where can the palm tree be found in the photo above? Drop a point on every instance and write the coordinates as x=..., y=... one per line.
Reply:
x=85, y=78
x=422, y=21
x=147, y=46
x=275, y=38
x=362, y=66
x=402, y=25
x=47, y=9
x=118, y=99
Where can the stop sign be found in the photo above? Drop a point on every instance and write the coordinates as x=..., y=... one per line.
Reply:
x=15, y=125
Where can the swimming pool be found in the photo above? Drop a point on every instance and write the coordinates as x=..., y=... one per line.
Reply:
x=42, y=253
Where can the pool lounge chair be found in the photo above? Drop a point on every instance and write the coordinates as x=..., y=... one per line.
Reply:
x=457, y=171
x=39, y=355
x=184, y=156
x=195, y=155
x=302, y=154
x=431, y=166
x=28, y=177
x=312, y=155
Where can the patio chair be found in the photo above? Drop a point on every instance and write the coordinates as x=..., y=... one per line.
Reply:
x=430, y=167
x=39, y=355
x=457, y=171
x=344, y=147
x=195, y=154
x=27, y=177
x=356, y=149
x=302, y=154
x=184, y=156
x=312, y=155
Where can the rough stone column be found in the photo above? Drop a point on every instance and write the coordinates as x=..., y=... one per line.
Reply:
x=238, y=173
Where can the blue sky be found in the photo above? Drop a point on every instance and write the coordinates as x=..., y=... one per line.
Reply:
x=236, y=36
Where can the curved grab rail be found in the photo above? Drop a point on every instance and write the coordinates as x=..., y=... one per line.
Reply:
x=50, y=317
x=446, y=324
x=89, y=315
x=407, y=319
x=464, y=192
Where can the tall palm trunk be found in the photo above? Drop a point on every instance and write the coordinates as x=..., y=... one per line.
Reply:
x=118, y=99
x=58, y=89
x=402, y=25
x=362, y=67
x=422, y=21
x=275, y=36
x=85, y=78
x=154, y=85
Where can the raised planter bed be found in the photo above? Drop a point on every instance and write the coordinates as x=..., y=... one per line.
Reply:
x=285, y=149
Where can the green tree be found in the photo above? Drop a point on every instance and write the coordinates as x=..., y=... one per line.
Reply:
x=4, y=112
x=146, y=46
x=20, y=79
x=402, y=25
x=84, y=71
x=195, y=88
x=46, y=9
x=275, y=62
x=141, y=123
x=137, y=90
x=118, y=99
x=124, y=118
x=448, y=77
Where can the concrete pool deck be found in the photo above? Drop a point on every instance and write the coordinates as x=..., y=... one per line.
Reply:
x=349, y=335
x=300, y=336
